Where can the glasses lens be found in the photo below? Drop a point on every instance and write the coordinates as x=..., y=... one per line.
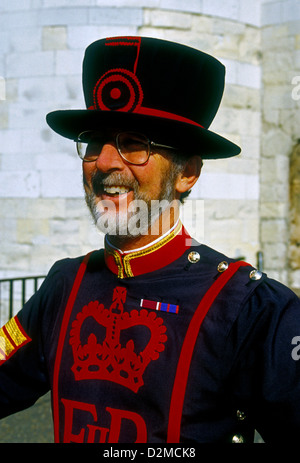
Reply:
x=89, y=145
x=133, y=147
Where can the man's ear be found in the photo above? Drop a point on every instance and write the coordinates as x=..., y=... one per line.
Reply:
x=190, y=174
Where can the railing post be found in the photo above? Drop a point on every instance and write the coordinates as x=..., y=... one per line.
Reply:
x=7, y=296
x=11, y=296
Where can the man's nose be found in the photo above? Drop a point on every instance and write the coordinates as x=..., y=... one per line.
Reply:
x=109, y=159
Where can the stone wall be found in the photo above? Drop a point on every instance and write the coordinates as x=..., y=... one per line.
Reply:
x=279, y=200
x=43, y=215
x=244, y=202
x=294, y=249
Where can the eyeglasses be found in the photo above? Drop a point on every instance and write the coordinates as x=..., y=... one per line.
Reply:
x=134, y=148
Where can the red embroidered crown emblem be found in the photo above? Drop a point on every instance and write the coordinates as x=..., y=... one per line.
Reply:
x=110, y=359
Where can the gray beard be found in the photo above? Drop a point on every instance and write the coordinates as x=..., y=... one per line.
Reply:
x=142, y=212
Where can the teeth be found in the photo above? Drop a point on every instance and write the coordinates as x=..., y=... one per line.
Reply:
x=116, y=190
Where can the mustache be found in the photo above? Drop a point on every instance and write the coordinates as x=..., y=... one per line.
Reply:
x=100, y=180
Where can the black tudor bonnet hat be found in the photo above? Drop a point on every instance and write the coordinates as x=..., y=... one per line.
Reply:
x=168, y=91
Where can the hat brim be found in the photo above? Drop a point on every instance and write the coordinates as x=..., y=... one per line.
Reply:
x=188, y=138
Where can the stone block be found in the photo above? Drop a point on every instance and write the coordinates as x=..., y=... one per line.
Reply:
x=10, y=265
x=8, y=229
x=275, y=61
x=225, y=9
x=249, y=75
x=77, y=209
x=62, y=16
x=64, y=232
x=32, y=208
x=15, y=5
x=41, y=89
x=52, y=161
x=54, y=38
x=79, y=37
x=294, y=281
x=115, y=16
x=24, y=162
x=243, y=164
x=4, y=116
x=227, y=120
x=126, y=3
x=30, y=64
x=250, y=147
x=237, y=96
x=202, y=24
x=10, y=141
x=275, y=169
x=25, y=116
x=290, y=120
x=227, y=27
x=91, y=238
x=67, y=3
x=249, y=122
x=275, y=256
x=68, y=62
x=159, y=18
x=193, y=6
x=274, y=191
x=19, y=184
x=192, y=216
x=25, y=40
x=274, y=231
x=282, y=42
x=237, y=121
x=276, y=141
x=271, y=13
x=227, y=186
x=202, y=41
x=39, y=140
x=70, y=92
x=60, y=184
x=32, y=231
x=290, y=10
x=227, y=46
x=15, y=19
x=9, y=89
x=296, y=56
x=294, y=256
x=273, y=210
x=250, y=12
x=271, y=115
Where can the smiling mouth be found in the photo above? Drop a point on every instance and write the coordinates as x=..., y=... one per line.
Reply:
x=115, y=190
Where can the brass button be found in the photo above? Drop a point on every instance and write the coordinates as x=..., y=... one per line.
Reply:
x=237, y=439
x=255, y=275
x=240, y=415
x=222, y=266
x=194, y=257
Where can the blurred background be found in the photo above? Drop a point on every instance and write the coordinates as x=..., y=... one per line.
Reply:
x=250, y=205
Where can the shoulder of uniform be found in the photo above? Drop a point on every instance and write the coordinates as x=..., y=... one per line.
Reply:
x=209, y=255
x=70, y=265
x=239, y=278
x=276, y=294
x=215, y=261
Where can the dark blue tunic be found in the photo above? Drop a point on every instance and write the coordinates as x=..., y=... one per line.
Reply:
x=111, y=348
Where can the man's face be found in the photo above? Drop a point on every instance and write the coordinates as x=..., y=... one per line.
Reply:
x=125, y=199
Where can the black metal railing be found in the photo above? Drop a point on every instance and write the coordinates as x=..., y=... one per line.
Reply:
x=14, y=292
